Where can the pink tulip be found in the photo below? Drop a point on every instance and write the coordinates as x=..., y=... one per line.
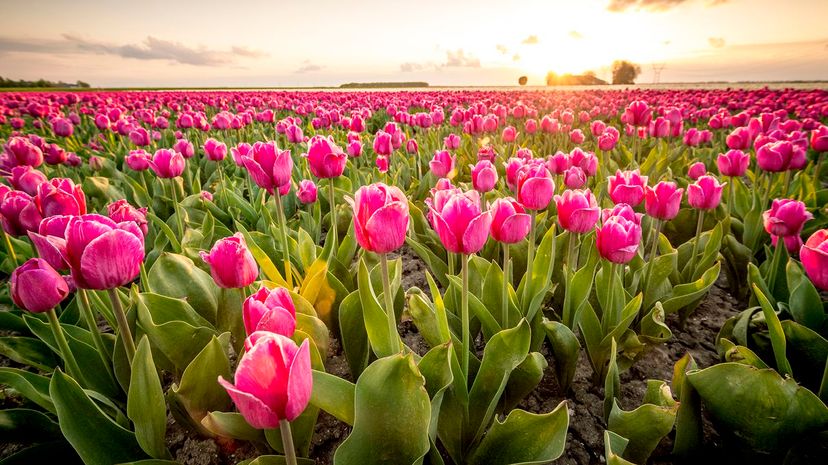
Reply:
x=60, y=196
x=382, y=143
x=775, y=157
x=380, y=217
x=325, y=159
x=270, y=310
x=240, y=151
x=26, y=179
x=786, y=217
x=102, y=254
x=705, y=194
x=597, y=128
x=510, y=223
x=627, y=187
x=576, y=136
x=486, y=153
x=273, y=380
x=138, y=160
x=185, y=148
x=120, y=211
x=294, y=134
x=484, y=176
x=231, y=263
x=35, y=286
x=623, y=210
x=50, y=240
x=819, y=139
x=307, y=191
x=608, y=139
x=575, y=178
x=411, y=147
x=792, y=243
x=140, y=137
x=558, y=163
x=509, y=134
x=19, y=214
x=534, y=186
x=167, y=163
x=637, y=114
x=587, y=161
x=617, y=239
x=663, y=201
x=512, y=166
x=442, y=164
x=268, y=166
x=696, y=170
x=577, y=211
x=459, y=223
x=215, y=150
x=814, y=256
x=733, y=163
x=355, y=149
x=452, y=142
x=55, y=155
x=62, y=127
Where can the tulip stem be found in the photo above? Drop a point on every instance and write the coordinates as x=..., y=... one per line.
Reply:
x=123, y=325
x=817, y=170
x=731, y=194
x=331, y=199
x=221, y=183
x=287, y=442
x=68, y=359
x=89, y=318
x=530, y=255
x=464, y=313
x=692, y=265
x=505, y=298
x=284, y=238
x=389, y=305
x=653, y=253
x=180, y=221
x=9, y=247
x=777, y=255
x=570, y=253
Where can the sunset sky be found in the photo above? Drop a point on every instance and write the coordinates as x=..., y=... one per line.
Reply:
x=443, y=42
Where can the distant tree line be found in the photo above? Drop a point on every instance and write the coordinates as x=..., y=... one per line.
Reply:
x=6, y=83
x=379, y=85
x=586, y=79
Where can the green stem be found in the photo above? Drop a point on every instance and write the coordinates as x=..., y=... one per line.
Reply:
x=123, y=325
x=284, y=238
x=505, y=297
x=9, y=247
x=731, y=194
x=530, y=255
x=65, y=353
x=464, y=313
x=777, y=255
x=180, y=221
x=221, y=184
x=571, y=252
x=450, y=260
x=89, y=318
x=331, y=199
x=653, y=253
x=692, y=265
x=287, y=442
x=610, y=312
x=817, y=171
x=785, y=183
x=389, y=305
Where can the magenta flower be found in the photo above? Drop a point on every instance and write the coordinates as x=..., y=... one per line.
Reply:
x=786, y=217
x=534, y=186
x=50, y=240
x=382, y=143
x=19, y=214
x=270, y=310
x=231, y=263
x=451, y=142
x=325, y=159
x=814, y=256
x=60, y=196
x=696, y=171
x=577, y=210
x=138, y=160
x=120, y=211
x=705, y=194
x=307, y=191
x=215, y=150
x=268, y=166
x=617, y=239
x=380, y=217
x=167, y=163
x=35, y=286
x=637, y=114
x=484, y=176
x=627, y=187
x=26, y=179
x=510, y=222
x=663, y=201
x=240, y=151
x=442, y=164
x=273, y=380
x=733, y=163
x=459, y=223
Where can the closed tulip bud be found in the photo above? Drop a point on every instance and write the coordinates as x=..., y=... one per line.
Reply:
x=663, y=201
x=60, y=196
x=355, y=149
x=62, y=127
x=140, y=137
x=775, y=156
x=280, y=392
x=786, y=217
x=325, y=159
x=587, y=161
x=705, y=194
x=577, y=211
x=382, y=163
x=103, y=254
x=270, y=310
x=442, y=164
x=597, y=128
x=608, y=139
x=294, y=134
x=101, y=121
x=617, y=239
x=575, y=178
x=382, y=143
x=819, y=139
x=380, y=217
x=411, y=147
x=530, y=126
x=558, y=163
x=185, y=148
x=307, y=191
x=452, y=142
x=19, y=214
x=138, y=160
x=510, y=222
x=576, y=136
x=167, y=164
x=733, y=163
x=55, y=155
x=231, y=263
x=268, y=166
x=637, y=114
x=535, y=186
x=513, y=166
x=35, y=286
x=627, y=187
x=215, y=150
x=484, y=176
x=206, y=196
x=509, y=134
x=120, y=211
x=26, y=179
x=696, y=170
x=459, y=223
x=814, y=256
x=623, y=210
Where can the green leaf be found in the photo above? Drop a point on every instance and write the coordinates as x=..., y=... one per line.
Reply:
x=353, y=335
x=686, y=294
x=32, y=386
x=199, y=391
x=392, y=414
x=565, y=349
x=435, y=367
x=178, y=277
x=644, y=427
x=689, y=429
x=437, y=265
x=26, y=426
x=653, y=328
x=145, y=403
x=807, y=352
x=759, y=407
x=231, y=425
x=614, y=446
x=777, y=336
x=28, y=351
x=523, y=380
x=525, y=438
x=376, y=323
x=612, y=382
x=578, y=290
x=334, y=395
x=804, y=303
x=96, y=438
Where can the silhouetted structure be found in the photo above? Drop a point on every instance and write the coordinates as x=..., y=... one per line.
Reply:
x=624, y=72
x=586, y=79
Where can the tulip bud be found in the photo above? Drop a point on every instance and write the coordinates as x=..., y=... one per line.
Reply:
x=459, y=223
x=380, y=217
x=484, y=176
x=325, y=159
x=627, y=187
x=231, y=263
x=617, y=239
x=442, y=164
x=534, y=186
x=167, y=163
x=663, y=201
x=705, y=194
x=35, y=286
x=270, y=310
x=577, y=211
x=103, y=254
x=307, y=191
x=696, y=170
x=786, y=217
x=733, y=163
x=814, y=256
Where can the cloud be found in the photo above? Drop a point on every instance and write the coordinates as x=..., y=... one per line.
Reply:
x=308, y=67
x=576, y=35
x=515, y=57
x=502, y=49
x=151, y=48
x=716, y=42
x=459, y=59
x=531, y=40
x=618, y=6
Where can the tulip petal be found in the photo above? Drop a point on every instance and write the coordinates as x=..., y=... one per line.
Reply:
x=387, y=227
x=52, y=250
x=111, y=260
x=300, y=382
x=254, y=411
x=477, y=233
x=445, y=233
x=515, y=227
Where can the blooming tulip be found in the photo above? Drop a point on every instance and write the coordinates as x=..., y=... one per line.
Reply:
x=775, y=156
x=270, y=310
x=534, y=186
x=577, y=211
x=510, y=223
x=814, y=256
x=231, y=263
x=705, y=194
x=733, y=163
x=627, y=187
x=786, y=217
x=442, y=164
x=215, y=150
x=294, y=134
x=460, y=224
x=663, y=201
x=484, y=176
x=240, y=151
x=26, y=179
x=637, y=114
x=380, y=217
x=19, y=214
x=273, y=381
x=307, y=191
x=35, y=286
x=325, y=159
x=575, y=178
x=167, y=163
x=138, y=160
x=60, y=196
x=819, y=139
x=617, y=239
x=120, y=211
x=269, y=167
x=62, y=127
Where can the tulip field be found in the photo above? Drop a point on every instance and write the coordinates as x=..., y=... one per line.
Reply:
x=414, y=277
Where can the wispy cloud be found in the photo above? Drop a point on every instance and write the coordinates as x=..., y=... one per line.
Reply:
x=531, y=40
x=151, y=48
x=308, y=67
x=716, y=42
x=618, y=6
x=502, y=49
x=460, y=59
x=576, y=35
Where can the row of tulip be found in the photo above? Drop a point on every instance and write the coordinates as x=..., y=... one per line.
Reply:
x=573, y=250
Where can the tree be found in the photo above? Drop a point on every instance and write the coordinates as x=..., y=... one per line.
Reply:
x=522, y=80
x=624, y=72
